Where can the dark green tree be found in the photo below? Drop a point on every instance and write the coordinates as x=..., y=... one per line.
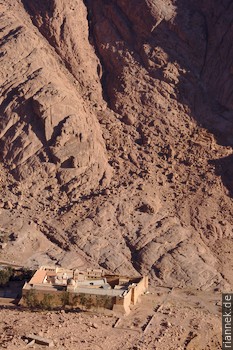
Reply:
x=5, y=275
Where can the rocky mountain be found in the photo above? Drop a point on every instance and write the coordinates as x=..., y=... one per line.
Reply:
x=116, y=137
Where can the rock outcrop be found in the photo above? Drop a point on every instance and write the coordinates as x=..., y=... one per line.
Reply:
x=48, y=132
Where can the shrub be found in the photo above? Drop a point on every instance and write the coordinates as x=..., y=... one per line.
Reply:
x=46, y=303
x=5, y=276
x=65, y=298
x=4, y=237
x=31, y=299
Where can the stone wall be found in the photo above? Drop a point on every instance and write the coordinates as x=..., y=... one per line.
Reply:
x=139, y=289
x=49, y=299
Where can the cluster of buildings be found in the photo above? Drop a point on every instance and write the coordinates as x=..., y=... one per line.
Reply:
x=55, y=287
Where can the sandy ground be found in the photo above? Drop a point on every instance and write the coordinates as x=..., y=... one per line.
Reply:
x=178, y=320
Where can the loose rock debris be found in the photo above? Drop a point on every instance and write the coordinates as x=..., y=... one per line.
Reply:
x=32, y=338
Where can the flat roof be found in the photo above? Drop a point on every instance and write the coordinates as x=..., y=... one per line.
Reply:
x=100, y=291
x=38, y=277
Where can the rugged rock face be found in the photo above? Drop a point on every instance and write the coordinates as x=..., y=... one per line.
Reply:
x=64, y=24
x=116, y=124
x=47, y=131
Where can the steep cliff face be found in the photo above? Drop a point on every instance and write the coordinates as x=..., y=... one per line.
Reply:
x=158, y=61
x=65, y=26
x=48, y=131
x=127, y=110
x=217, y=70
